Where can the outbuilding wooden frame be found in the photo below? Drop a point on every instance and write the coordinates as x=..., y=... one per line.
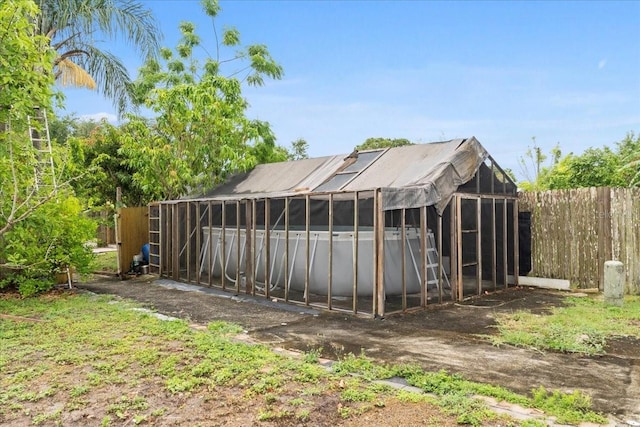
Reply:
x=478, y=231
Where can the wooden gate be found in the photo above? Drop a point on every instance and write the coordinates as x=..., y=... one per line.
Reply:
x=132, y=231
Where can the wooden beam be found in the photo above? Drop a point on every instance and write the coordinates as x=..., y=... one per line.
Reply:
x=286, y=249
x=453, y=243
x=403, y=256
x=248, y=248
x=479, y=244
x=211, y=243
x=494, y=268
x=307, y=247
x=330, y=260
x=459, y=248
x=379, y=230
x=424, y=247
x=516, y=243
x=238, y=245
x=356, y=212
x=223, y=253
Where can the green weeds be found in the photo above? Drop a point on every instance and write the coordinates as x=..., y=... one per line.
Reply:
x=91, y=346
x=582, y=326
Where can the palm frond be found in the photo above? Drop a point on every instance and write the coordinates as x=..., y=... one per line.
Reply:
x=110, y=75
x=68, y=73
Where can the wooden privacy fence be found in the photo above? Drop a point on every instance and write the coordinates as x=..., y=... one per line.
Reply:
x=105, y=233
x=573, y=233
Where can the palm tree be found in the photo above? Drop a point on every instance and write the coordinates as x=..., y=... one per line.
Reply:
x=74, y=28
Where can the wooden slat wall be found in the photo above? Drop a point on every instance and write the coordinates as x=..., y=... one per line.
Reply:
x=625, y=233
x=573, y=232
x=133, y=232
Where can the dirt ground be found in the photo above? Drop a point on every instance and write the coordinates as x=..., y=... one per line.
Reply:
x=443, y=337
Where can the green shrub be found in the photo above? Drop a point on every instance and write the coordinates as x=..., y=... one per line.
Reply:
x=53, y=238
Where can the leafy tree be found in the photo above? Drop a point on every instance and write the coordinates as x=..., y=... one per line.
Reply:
x=376, y=143
x=299, y=150
x=100, y=152
x=200, y=132
x=629, y=151
x=533, y=167
x=25, y=81
x=41, y=226
x=62, y=128
x=595, y=167
x=75, y=29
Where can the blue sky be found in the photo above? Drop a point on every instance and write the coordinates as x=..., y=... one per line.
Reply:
x=562, y=72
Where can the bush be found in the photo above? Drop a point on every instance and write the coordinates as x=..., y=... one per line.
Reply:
x=46, y=243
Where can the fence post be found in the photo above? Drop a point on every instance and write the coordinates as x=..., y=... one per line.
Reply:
x=614, y=282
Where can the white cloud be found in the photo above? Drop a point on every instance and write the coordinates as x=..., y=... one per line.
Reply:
x=111, y=118
x=602, y=64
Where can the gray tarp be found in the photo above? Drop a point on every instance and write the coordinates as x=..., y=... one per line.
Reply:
x=409, y=176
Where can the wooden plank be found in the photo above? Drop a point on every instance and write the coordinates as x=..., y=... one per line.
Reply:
x=356, y=212
x=212, y=243
x=307, y=247
x=479, y=245
x=330, y=260
x=223, y=253
x=516, y=243
x=458, y=228
x=286, y=249
x=453, y=239
x=267, y=248
x=494, y=268
x=424, y=247
x=380, y=292
x=248, y=248
x=403, y=257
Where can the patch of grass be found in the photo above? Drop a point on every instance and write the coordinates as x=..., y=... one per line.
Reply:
x=105, y=262
x=103, y=342
x=571, y=408
x=582, y=326
x=363, y=366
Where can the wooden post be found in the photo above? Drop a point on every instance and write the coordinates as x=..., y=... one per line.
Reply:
x=460, y=283
x=604, y=231
x=330, y=260
x=238, y=245
x=494, y=270
x=479, y=244
x=267, y=248
x=453, y=242
x=355, y=252
x=117, y=232
x=175, y=241
x=286, y=248
x=248, y=252
x=198, y=243
x=211, y=244
x=403, y=256
x=307, y=247
x=223, y=251
x=516, y=243
x=424, y=248
x=254, y=246
x=187, y=239
x=379, y=239
x=440, y=267
x=505, y=246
